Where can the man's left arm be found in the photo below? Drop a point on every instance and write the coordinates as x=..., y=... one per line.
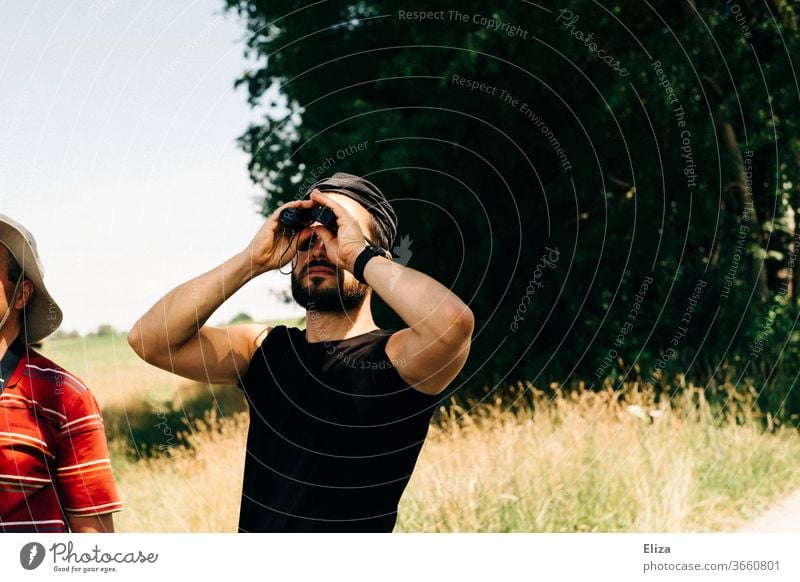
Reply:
x=430, y=353
x=86, y=487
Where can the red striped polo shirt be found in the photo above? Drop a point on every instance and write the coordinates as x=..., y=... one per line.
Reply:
x=53, y=454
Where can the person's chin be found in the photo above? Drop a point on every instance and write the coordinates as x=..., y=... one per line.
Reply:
x=316, y=280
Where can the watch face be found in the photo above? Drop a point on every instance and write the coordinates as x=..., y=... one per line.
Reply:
x=375, y=248
x=378, y=250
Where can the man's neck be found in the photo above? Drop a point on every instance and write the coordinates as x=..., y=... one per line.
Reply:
x=7, y=337
x=324, y=326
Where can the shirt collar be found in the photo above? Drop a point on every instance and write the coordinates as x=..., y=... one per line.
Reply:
x=10, y=361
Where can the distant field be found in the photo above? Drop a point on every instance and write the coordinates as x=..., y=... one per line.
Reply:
x=583, y=464
x=111, y=370
x=115, y=374
x=144, y=408
x=573, y=462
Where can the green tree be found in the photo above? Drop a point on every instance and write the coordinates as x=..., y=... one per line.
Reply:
x=105, y=330
x=241, y=318
x=618, y=134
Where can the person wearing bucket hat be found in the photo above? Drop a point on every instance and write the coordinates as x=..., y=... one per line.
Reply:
x=55, y=472
x=338, y=411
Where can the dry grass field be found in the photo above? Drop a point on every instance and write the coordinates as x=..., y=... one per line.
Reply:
x=526, y=462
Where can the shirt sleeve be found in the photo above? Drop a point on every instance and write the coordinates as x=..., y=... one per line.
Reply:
x=85, y=481
x=387, y=380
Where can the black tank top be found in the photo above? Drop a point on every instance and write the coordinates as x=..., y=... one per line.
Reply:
x=334, y=434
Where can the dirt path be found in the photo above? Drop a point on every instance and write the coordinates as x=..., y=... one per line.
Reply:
x=784, y=517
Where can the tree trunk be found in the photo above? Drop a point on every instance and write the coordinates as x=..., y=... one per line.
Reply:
x=795, y=202
x=736, y=190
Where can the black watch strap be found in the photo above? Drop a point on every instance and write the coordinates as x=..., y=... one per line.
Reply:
x=364, y=256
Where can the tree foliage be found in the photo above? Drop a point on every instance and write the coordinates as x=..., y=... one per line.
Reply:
x=616, y=201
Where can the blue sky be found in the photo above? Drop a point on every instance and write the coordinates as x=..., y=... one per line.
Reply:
x=118, y=123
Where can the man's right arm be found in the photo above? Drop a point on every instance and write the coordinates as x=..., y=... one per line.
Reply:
x=173, y=336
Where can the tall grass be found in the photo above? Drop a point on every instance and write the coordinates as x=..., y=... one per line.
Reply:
x=194, y=487
x=529, y=462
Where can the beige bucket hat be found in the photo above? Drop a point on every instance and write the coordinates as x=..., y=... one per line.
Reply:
x=42, y=314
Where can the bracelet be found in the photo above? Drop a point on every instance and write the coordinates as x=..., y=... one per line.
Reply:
x=362, y=259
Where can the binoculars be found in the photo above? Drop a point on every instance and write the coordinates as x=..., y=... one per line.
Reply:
x=297, y=219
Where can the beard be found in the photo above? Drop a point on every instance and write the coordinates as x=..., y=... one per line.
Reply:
x=345, y=296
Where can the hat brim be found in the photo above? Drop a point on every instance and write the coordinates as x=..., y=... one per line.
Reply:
x=42, y=315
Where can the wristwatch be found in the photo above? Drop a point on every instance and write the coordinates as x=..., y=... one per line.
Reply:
x=370, y=251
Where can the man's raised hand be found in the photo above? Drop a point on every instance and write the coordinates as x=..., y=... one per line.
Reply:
x=270, y=248
x=349, y=240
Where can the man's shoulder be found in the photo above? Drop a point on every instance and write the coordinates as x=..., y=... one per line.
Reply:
x=40, y=371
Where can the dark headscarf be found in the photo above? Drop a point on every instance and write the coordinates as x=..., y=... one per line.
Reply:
x=365, y=193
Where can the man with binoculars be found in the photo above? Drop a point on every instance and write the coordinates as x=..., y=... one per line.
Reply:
x=338, y=411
